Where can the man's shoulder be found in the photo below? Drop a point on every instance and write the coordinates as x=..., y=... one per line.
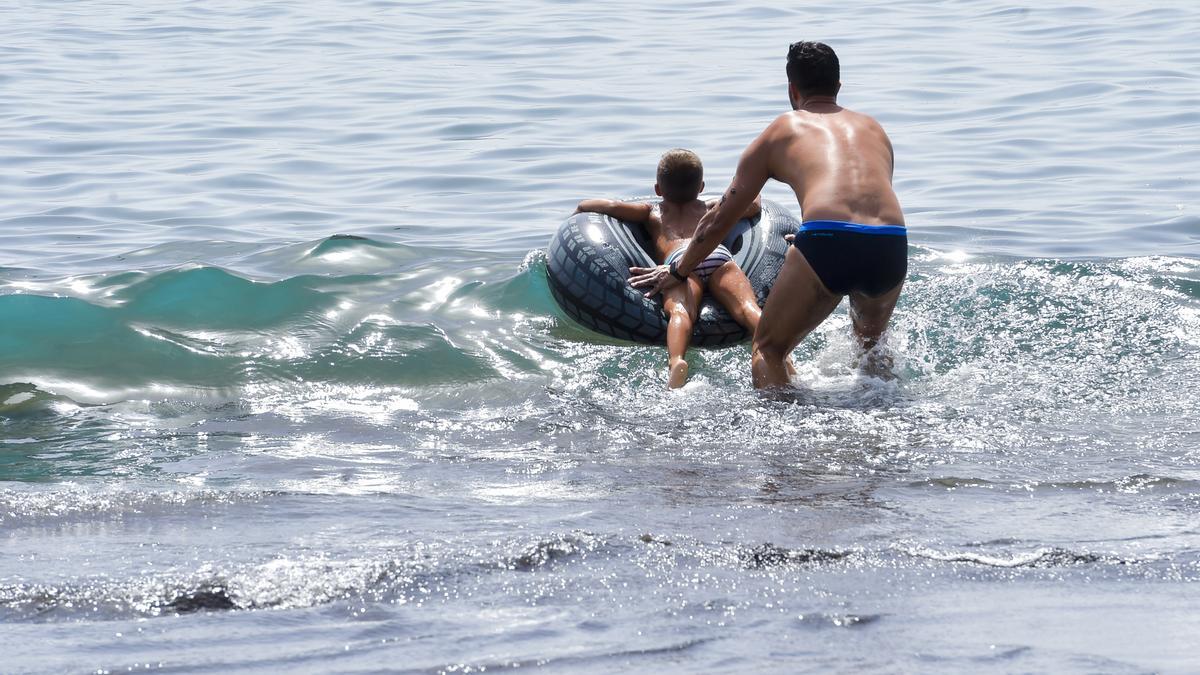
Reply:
x=788, y=125
x=863, y=117
x=783, y=124
x=796, y=122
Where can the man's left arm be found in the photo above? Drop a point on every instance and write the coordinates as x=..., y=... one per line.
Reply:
x=752, y=173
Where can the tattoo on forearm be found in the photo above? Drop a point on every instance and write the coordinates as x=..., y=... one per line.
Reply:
x=728, y=193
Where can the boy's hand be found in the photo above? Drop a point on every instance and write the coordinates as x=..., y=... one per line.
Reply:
x=658, y=278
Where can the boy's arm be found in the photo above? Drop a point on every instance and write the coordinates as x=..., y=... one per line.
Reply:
x=631, y=212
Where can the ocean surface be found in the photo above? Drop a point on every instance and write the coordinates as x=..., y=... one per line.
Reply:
x=282, y=385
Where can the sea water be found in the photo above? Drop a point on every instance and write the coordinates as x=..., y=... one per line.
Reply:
x=282, y=386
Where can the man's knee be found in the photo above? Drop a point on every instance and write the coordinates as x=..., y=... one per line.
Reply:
x=768, y=349
x=869, y=325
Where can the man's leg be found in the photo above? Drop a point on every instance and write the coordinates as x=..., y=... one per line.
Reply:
x=682, y=304
x=798, y=303
x=870, y=317
x=732, y=289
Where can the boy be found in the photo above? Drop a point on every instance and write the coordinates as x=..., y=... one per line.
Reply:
x=670, y=225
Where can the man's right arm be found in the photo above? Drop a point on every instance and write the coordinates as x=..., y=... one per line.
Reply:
x=753, y=170
x=752, y=211
x=630, y=212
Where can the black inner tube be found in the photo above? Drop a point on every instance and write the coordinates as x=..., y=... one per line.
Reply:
x=588, y=268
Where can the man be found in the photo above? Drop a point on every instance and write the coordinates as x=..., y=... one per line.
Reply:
x=852, y=241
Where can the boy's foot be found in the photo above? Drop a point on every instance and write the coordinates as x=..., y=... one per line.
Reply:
x=679, y=374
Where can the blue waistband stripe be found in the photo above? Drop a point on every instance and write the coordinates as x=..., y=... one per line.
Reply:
x=831, y=225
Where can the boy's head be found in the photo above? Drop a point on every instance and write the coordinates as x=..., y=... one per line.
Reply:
x=813, y=69
x=680, y=176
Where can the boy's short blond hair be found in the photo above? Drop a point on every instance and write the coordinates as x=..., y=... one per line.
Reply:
x=680, y=175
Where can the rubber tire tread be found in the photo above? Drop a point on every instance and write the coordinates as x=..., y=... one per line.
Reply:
x=589, y=280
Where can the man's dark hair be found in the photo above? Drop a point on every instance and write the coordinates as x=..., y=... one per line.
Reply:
x=813, y=68
x=680, y=175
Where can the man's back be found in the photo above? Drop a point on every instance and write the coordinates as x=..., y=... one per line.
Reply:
x=838, y=162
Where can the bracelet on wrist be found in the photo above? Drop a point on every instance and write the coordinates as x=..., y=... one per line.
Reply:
x=673, y=268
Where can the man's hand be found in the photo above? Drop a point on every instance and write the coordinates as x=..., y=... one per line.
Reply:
x=658, y=279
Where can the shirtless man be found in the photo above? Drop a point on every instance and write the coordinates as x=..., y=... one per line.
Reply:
x=680, y=180
x=852, y=241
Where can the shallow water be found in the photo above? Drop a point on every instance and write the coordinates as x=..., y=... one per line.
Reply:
x=282, y=384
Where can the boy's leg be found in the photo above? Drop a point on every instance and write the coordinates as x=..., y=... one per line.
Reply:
x=681, y=303
x=798, y=303
x=730, y=287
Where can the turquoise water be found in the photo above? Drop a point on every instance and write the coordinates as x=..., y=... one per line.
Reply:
x=282, y=385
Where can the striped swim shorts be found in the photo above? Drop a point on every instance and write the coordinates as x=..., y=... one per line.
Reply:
x=709, y=265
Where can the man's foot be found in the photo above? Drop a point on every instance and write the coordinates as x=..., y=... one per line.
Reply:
x=679, y=374
x=878, y=363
